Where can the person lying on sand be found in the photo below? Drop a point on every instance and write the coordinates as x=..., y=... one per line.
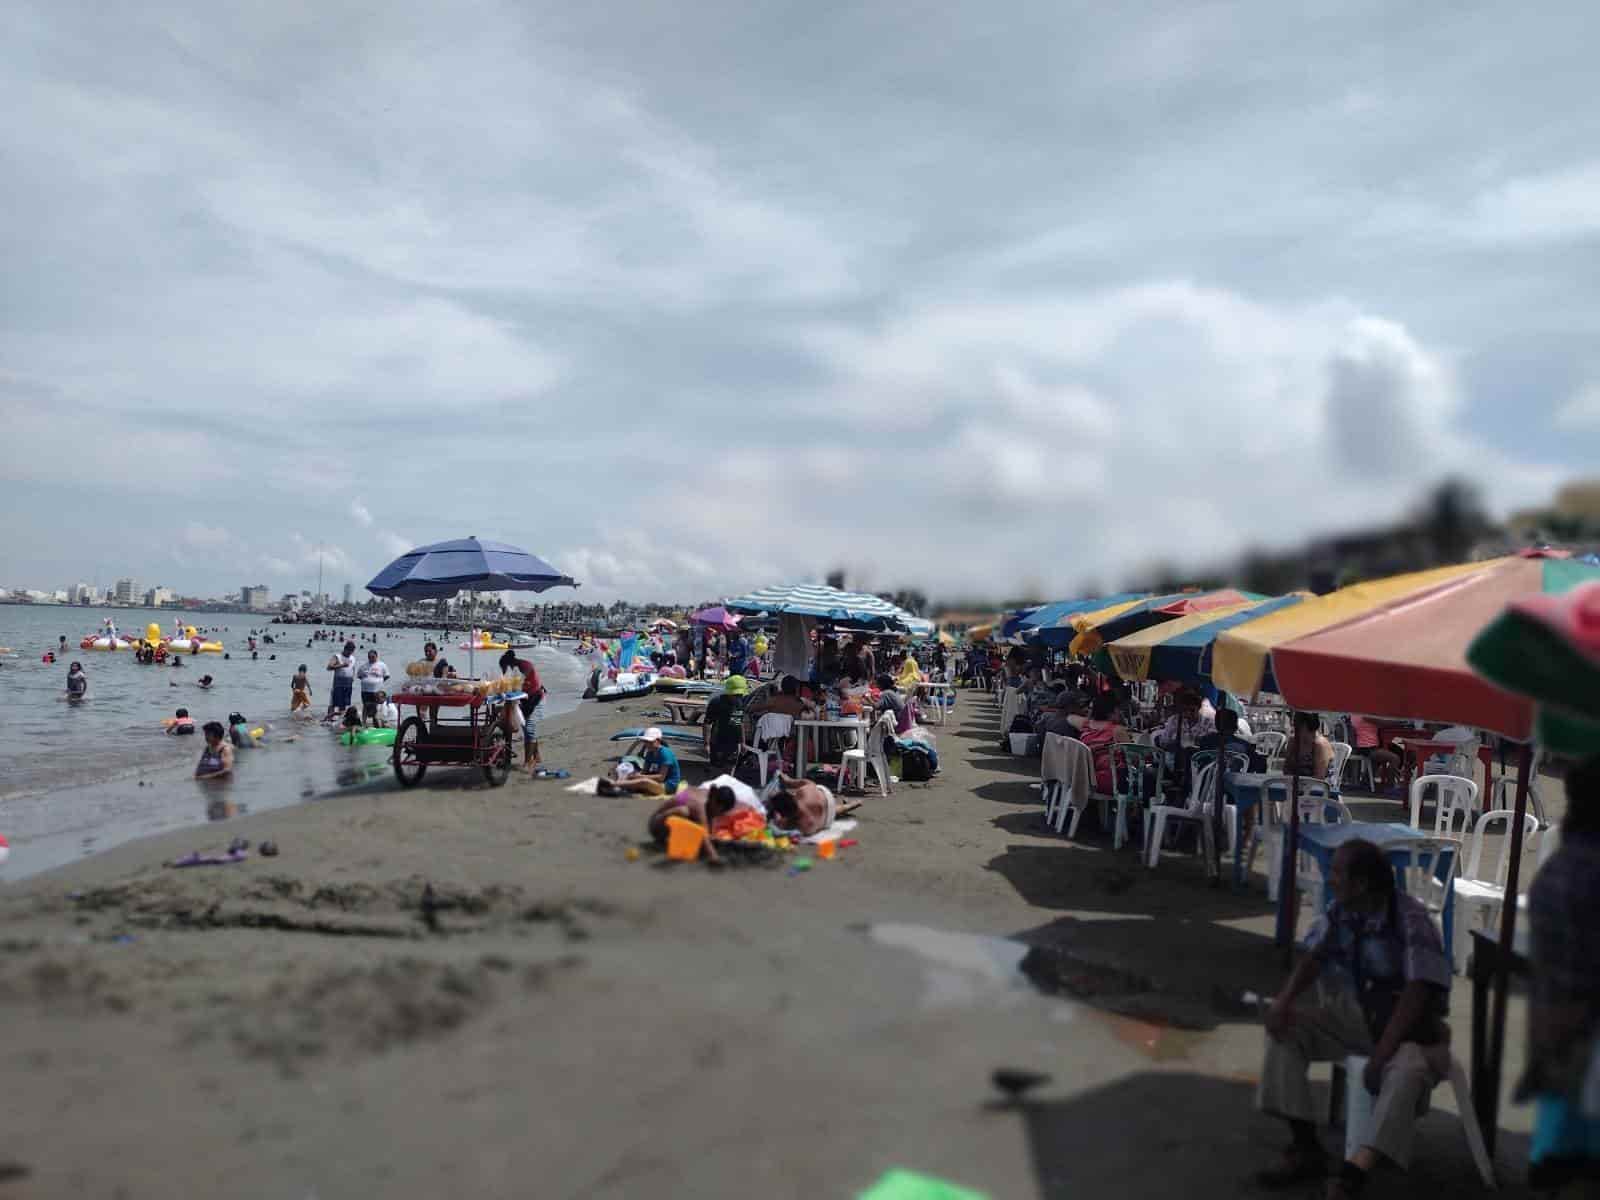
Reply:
x=801, y=805
x=702, y=805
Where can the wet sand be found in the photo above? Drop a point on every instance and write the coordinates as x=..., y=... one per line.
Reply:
x=555, y=1020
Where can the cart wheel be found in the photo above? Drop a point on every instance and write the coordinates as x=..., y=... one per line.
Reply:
x=497, y=760
x=408, y=765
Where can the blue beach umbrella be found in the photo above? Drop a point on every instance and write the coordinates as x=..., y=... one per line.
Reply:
x=446, y=569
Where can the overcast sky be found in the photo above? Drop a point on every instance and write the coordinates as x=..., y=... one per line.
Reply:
x=691, y=298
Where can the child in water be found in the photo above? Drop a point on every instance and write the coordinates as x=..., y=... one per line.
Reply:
x=300, y=690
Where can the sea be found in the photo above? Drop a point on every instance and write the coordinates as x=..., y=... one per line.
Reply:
x=77, y=779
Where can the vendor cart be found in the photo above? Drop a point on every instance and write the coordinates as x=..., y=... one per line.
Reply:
x=453, y=729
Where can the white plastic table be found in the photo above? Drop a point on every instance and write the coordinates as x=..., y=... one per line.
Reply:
x=814, y=726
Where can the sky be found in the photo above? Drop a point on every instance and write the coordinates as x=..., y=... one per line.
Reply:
x=695, y=298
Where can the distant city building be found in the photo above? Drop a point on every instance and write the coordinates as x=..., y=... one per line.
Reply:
x=347, y=594
x=254, y=597
x=83, y=593
x=127, y=591
x=157, y=596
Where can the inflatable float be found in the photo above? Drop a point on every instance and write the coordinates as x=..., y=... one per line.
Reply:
x=106, y=642
x=188, y=642
x=368, y=737
x=625, y=686
x=480, y=640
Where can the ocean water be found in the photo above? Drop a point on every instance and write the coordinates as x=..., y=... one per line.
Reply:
x=79, y=778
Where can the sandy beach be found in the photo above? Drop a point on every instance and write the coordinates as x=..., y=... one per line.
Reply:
x=560, y=1021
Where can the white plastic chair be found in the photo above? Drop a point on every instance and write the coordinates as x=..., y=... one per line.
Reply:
x=1484, y=894
x=1359, y=1105
x=772, y=727
x=853, y=764
x=1158, y=815
x=1456, y=798
x=1057, y=800
x=1505, y=796
x=1341, y=757
x=1269, y=743
x=1421, y=874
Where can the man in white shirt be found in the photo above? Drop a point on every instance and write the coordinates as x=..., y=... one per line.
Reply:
x=373, y=674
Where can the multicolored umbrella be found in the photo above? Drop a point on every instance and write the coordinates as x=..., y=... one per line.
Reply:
x=1179, y=649
x=1241, y=660
x=1096, y=629
x=1407, y=658
x=1052, y=625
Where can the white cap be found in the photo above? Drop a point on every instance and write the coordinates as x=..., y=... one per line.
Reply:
x=653, y=734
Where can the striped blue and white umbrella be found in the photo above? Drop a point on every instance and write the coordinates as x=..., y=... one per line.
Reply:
x=822, y=602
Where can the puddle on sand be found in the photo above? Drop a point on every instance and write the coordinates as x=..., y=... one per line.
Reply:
x=964, y=968
x=972, y=968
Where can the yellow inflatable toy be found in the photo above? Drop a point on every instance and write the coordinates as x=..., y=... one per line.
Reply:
x=190, y=643
x=480, y=640
x=761, y=644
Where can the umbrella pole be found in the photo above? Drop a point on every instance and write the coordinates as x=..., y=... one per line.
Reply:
x=1288, y=900
x=1217, y=824
x=1490, y=1098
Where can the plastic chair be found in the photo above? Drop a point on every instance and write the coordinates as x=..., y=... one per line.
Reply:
x=1420, y=874
x=1359, y=1106
x=1341, y=758
x=1204, y=779
x=1457, y=798
x=772, y=727
x=1057, y=800
x=1483, y=894
x=853, y=764
x=1129, y=761
x=1505, y=796
x=1269, y=743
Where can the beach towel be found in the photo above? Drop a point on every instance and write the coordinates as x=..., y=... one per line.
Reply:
x=840, y=827
x=587, y=787
x=1013, y=704
x=1069, y=762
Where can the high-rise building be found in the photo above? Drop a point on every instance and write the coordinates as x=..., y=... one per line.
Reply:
x=347, y=594
x=83, y=593
x=157, y=596
x=127, y=591
x=253, y=597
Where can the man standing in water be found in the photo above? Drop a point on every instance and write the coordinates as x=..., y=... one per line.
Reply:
x=374, y=673
x=343, y=666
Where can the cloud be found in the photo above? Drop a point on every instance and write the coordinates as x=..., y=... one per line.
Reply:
x=552, y=278
x=393, y=544
x=1581, y=411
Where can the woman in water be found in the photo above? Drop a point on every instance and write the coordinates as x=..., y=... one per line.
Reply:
x=216, y=760
x=77, y=683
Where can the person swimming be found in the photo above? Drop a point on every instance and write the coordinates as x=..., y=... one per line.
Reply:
x=182, y=724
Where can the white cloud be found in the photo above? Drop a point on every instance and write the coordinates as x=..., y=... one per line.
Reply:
x=359, y=511
x=393, y=544
x=1581, y=410
x=207, y=537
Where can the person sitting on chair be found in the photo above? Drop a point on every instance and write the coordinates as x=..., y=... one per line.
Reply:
x=1383, y=989
x=1307, y=753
